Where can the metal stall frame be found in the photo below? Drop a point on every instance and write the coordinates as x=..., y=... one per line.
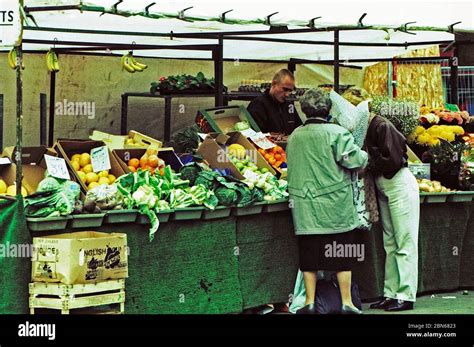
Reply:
x=217, y=50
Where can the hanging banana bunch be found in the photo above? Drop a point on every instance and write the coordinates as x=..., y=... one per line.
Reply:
x=131, y=65
x=52, y=62
x=12, y=59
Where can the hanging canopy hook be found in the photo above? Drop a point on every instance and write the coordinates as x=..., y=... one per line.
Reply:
x=311, y=22
x=222, y=16
x=54, y=42
x=114, y=6
x=267, y=20
x=181, y=13
x=359, y=22
x=147, y=9
x=403, y=28
x=133, y=45
x=171, y=35
x=451, y=27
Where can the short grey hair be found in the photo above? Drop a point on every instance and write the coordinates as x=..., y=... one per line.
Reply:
x=316, y=103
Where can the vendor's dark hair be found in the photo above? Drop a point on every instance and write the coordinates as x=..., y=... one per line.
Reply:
x=281, y=74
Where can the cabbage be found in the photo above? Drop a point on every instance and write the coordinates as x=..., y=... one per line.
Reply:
x=239, y=126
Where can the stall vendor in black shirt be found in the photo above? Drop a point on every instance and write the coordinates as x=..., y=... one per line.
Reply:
x=271, y=111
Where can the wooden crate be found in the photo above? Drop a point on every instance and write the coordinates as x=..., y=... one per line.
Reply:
x=65, y=297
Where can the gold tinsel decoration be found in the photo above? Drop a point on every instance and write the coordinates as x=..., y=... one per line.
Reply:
x=419, y=82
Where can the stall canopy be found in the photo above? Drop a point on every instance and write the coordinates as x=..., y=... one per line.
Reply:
x=296, y=24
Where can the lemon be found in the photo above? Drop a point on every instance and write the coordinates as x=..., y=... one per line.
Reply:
x=75, y=165
x=87, y=169
x=103, y=180
x=85, y=159
x=92, y=177
x=3, y=187
x=82, y=176
x=111, y=178
x=103, y=174
x=76, y=157
x=93, y=185
x=11, y=190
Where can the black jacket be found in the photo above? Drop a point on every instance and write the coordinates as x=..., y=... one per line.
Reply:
x=387, y=148
x=272, y=116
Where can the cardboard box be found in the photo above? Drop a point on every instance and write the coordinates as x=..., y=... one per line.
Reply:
x=213, y=151
x=412, y=156
x=223, y=119
x=33, y=166
x=167, y=154
x=80, y=257
x=120, y=141
x=67, y=148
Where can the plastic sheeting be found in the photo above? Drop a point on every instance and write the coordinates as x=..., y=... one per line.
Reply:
x=295, y=15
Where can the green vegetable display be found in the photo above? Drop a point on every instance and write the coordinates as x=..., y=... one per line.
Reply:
x=54, y=197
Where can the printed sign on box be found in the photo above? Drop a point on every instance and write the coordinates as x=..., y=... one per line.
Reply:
x=80, y=257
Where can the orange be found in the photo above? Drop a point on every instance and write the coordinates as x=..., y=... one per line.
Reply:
x=278, y=164
x=132, y=168
x=153, y=160
x=267, y=156
x=272, y=161
x=278, y=156
x=134, y=162
x=143, y=162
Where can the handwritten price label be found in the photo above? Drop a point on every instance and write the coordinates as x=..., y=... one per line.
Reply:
x=57, y=167
x=100, y=159
x=261, y=141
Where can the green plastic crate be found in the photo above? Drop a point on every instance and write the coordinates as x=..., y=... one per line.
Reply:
x=461, y=196
x=163, y=217
x=276, y=206
x=46, y=224
x=120, y=216
x=94, y=220
x=188, y=213
x=218, y=212
x=435, y=198
x=256, y=208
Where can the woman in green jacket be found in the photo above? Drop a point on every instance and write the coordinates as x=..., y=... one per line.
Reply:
x=321, y=156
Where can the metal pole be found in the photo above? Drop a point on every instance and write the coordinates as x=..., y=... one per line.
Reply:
x=124, y=115
x=1, y=122
x=167, y=134
x=52, y=101
x=43, y=118
x=336, y=61
x=217, y=55
x=453, y=79
x=19, y=120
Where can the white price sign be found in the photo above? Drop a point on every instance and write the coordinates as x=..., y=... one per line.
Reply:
x=251, y=175
x=57, y=167
x=10, y=23
x=248, y=132
x=202, y=136
x=261, y=141
x=100, y=159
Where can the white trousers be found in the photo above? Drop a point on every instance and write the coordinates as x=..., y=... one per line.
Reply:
x=399, y=203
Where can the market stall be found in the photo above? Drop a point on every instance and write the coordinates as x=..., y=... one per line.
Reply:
x=211, y=236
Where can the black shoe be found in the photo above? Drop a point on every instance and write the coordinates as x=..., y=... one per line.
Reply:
x=400, y=305
x=308, y=309
x=382, y=304
x=350, y=310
